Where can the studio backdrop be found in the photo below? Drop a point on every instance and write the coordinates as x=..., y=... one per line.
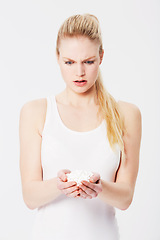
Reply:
x=130, y=71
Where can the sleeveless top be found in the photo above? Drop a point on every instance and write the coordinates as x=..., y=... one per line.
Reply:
x=63, y=148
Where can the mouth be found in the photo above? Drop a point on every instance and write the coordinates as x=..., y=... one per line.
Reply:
x=81, y=81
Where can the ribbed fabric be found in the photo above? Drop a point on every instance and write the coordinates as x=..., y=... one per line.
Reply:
x=62, y=148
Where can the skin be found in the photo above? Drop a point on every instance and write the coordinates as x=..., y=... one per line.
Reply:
x=84, y=190
x=81, y=104
x=79, y=59
x=78, y=49
x=81, y=50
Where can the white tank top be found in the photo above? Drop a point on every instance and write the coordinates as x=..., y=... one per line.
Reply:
x=62, y=148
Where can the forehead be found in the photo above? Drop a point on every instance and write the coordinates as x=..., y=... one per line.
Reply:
x=78, y=46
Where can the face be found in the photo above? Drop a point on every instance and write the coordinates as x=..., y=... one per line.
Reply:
x=79, y=59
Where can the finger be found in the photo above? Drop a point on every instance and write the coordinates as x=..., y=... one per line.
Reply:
x=88, y=190
x=96, y=188
x=90, y=185
x=94, y=181
x=98, y=181
x=95, y=177
x=69, y=184
x=70, y=190
x=72, y=194
x=78, y=195
x=84, y=195
x=64, y=185
x=62, y=174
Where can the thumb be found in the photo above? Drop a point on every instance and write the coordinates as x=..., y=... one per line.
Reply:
x=95, y=178
x=62, y=174
x=94, y=181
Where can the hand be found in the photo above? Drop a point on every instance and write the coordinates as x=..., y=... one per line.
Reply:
x=70, y=189
x=92, y=188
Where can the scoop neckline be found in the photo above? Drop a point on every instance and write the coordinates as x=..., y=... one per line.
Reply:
x=73, y=131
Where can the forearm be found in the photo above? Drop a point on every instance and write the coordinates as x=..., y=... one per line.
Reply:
x=39, y=193
x=118, y=195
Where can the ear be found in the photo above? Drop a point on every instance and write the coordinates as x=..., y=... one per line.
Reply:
x=101, y=56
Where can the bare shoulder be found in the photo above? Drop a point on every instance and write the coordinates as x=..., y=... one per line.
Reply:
x=128, y=108
x=131, y=113
x=36, y=104
x=35, y=112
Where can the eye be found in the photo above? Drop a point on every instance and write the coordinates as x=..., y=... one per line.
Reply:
x=68, y=62
x=89, y=62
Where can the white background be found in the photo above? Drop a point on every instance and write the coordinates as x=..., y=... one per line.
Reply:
x=131, y=37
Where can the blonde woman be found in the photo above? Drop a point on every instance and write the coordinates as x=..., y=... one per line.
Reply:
x=83, y=127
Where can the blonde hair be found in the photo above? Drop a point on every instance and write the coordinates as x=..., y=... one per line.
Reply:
x=88, y=25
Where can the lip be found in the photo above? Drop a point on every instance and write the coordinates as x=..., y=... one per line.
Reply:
x=80, y=83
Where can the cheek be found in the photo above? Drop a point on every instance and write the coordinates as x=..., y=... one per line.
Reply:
x=66, y=71
x=93, y=70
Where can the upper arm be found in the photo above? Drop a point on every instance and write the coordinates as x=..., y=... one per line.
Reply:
x=30, y=142
x=129, y=164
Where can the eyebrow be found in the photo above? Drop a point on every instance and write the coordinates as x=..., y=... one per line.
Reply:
x=83, y=60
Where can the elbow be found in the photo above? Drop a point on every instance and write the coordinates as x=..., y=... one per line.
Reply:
x=28, y=202
x=125, y=206
x=28, y=199
x=127, y=202
x=29, y=205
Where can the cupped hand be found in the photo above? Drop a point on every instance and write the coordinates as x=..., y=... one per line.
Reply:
x=92, y=188
x=70, y=189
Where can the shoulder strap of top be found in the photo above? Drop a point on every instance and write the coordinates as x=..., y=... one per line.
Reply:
x=48, y=115
x=51, y=115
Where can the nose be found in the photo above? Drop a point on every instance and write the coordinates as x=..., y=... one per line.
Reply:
x=80, y=70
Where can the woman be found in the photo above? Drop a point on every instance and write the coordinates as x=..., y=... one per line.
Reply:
x=83, y=127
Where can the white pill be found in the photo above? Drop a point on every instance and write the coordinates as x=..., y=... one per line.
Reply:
x=79, y=175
